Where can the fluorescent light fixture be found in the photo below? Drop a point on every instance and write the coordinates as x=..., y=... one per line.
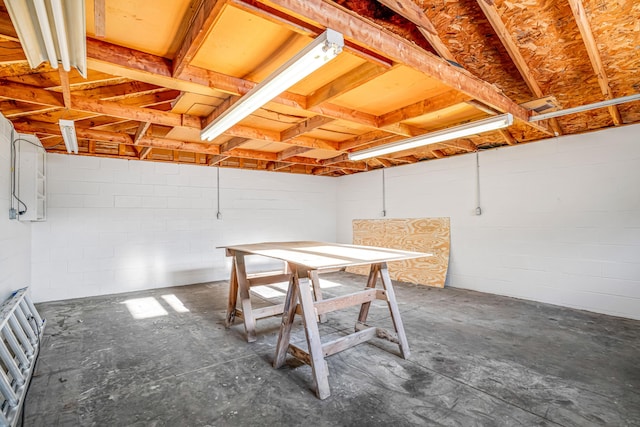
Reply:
x=480, y=126
x=68, y=129
x=323, y=49
x=51, y=30
x=587, y=107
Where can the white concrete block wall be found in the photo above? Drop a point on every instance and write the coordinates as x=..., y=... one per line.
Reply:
x=116, y=225
x=560, y=219
x=15, y=236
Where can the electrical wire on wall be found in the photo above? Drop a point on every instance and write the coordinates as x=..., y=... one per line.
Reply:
x=218, y=213
x=384, y=195
x=16, y=203
x=478, y=208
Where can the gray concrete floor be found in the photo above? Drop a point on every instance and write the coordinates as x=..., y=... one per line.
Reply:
x=477, y=359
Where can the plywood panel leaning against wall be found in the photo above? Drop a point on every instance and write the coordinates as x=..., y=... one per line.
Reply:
x=415, y=234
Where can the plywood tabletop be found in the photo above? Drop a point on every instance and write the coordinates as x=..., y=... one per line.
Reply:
x=322, y=255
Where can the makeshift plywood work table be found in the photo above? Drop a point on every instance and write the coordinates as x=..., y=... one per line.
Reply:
x=305, y=260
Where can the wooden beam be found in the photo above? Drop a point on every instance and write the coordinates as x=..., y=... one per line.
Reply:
x=412, y=12
x=32, y=126
x=305, y=28
x=363, y=32
x=310, y=142
x=491, y=12
x=231, y=144
x=99, y=18
x=346, y=82
x=276, y=166
x=384, y=162
x=145, y=67
x=31, y=94
x=117, y=109
x=341, y=158
x=460, y=144
x=214, y=160
x=144, y=153
x=426, y=106
x=580, y=16
x=303, y=127
x=120, y=90
x=254, y=133
x=292, y=151
x=172, y=144
x=143, y=127
x=368, y=138
x=11, y=52
x=111, y=108
x=439, y=154
x=508, y=137
x=201, y=24
x=118, y=137
x=66, y=91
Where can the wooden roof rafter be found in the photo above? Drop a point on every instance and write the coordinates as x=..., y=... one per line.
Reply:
x=399, y=50
x=208, y=13
x=491, y=12
x=413, y=13
x=582, y=21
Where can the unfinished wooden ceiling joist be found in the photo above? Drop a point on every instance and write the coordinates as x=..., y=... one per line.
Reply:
x=157, y=76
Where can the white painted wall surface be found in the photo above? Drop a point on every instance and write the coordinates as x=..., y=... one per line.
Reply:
x=560, y=219
x=15, y=236
x=117, y=226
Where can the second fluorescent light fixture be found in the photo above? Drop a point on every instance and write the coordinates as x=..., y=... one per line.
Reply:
x=68, y=129
x=323, y=49
x=480, y=126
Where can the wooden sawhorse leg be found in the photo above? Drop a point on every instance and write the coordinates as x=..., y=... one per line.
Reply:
x=300, y=292
x=382, y=271
x=238, y=284
x=233, y=297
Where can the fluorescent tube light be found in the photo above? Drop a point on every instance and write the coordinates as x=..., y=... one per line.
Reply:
x=323, y=49
x=68, y=129
x=51, y=30
x=480, y=126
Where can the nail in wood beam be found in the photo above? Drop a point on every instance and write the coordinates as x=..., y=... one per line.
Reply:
x=580, y=16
